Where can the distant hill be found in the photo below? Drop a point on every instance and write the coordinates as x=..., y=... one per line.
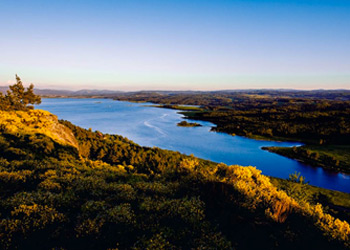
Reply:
x=337, y=94
x=83, y=92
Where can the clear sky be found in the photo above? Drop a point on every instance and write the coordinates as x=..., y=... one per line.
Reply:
x=182, y=44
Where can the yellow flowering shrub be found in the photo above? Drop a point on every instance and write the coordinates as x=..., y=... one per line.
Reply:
x=50, y=185
x=26, y=219
x=331, y=226
x=258, y=190
x=15, y=176
x=89, y=227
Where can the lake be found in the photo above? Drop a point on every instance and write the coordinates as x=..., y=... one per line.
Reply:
x=150, y=126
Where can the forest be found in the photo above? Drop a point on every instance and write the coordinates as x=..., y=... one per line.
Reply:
x=64, y=187
x=318, y=119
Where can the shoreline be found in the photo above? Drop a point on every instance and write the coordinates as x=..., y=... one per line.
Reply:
x=187, y=110
x=254, y=137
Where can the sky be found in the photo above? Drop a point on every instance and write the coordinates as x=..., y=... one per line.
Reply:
x=176, y=45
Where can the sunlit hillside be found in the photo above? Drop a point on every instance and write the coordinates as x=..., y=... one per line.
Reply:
x=112, y=193
x=36, y=122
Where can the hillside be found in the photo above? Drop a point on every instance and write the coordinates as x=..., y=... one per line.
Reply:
x=64, y=187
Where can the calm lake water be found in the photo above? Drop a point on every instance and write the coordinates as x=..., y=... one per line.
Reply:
x=150, y=126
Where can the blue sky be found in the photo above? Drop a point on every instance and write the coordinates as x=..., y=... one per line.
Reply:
x=132, y=45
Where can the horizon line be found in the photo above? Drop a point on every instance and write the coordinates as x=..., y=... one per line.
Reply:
x=185, y=90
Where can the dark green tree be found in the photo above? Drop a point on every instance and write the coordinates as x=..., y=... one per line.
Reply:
x=19, y=98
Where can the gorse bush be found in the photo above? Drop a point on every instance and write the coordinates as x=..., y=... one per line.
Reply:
x=259, y=191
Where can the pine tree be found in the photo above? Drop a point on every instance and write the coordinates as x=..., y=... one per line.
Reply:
x=19, y=98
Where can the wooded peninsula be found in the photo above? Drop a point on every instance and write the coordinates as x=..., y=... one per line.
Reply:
x=319, y=119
